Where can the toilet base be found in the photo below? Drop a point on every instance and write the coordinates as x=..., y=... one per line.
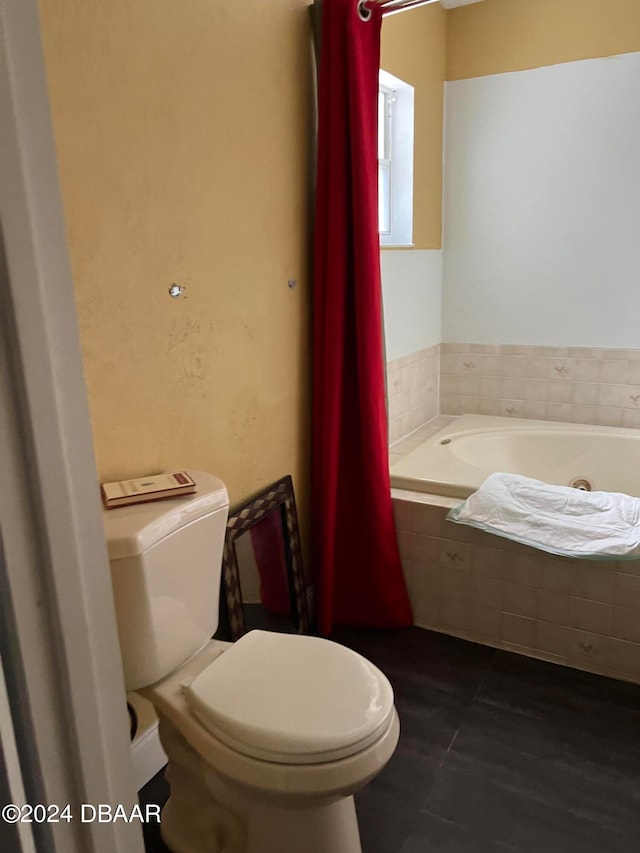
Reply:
x=206, y=813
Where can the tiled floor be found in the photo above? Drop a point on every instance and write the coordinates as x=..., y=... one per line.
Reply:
x=497, y=753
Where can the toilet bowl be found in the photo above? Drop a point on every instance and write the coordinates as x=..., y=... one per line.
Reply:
x=267, y=738
x=270, y=786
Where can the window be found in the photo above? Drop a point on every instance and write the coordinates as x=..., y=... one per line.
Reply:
x=395, y=161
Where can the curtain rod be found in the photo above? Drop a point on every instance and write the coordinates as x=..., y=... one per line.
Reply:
x=389, y=7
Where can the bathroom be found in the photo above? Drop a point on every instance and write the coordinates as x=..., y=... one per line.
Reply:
x=538, y=165
x=156, y=145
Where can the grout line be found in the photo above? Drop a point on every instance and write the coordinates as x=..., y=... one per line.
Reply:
x=484, y=676
x=473, y=699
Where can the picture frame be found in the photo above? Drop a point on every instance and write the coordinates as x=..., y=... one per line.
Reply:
x=279, y=499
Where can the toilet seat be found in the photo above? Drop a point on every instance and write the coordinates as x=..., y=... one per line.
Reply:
x=291, y=699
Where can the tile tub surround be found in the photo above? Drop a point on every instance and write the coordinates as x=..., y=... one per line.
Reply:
x=474, y=585
x=412, y=391
x=572, y=384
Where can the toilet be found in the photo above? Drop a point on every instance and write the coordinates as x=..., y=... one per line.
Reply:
x=268, y=738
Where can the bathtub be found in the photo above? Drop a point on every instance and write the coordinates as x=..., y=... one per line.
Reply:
x=456, y=460
x=472, y=584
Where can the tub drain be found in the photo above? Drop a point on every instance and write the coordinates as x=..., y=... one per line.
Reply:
x=581, y=484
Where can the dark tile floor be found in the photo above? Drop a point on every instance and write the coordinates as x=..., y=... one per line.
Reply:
x=497, y=753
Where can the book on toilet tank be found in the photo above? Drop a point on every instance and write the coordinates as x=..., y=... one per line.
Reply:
x=152, y=488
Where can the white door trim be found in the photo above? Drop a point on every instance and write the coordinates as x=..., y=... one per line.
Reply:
x=58, y=637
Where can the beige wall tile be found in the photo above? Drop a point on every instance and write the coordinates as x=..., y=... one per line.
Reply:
x=447, y=404
x=510, y=388
x=561, y=392
x=420, y=574
x=583, y=414
x=524, y=569
x=627, y=591
x=456, y=614
x=518, y=629
x=631, y=419
x=614, y=370
x=555, y=639
x=454, y=555
x=449, y=384
x=488, y=562
x=511, y=408
x=628, y=567
x=533, y=389
x=401, y=513
x=591, y=616
x=517, y=597
x=425, y=549
x=522, y=600
x=587, y=648
x=587, y=370
x=468, y=405
x=468, y=385
x=487, y=592
x=558, y=576
x=593, y=583
x=426, y=520
x=490, y=406
x=490, y=386
x=405, y=543
x=554, y=607
x=456, y=532
x=562, y=368
x=559, y=412
x=399, y=404
x=585, y=393
x=454, y=584
x=618, y=396
x=625, y=624
x=486, y=622
x=534, y=409
x=624, y=656
x=426, y=611
x=537, y=367
x=449, y=362
x=609, y=417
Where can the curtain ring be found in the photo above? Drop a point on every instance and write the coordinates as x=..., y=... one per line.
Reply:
x=363, y=12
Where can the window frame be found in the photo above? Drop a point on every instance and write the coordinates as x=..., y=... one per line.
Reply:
x=399, y=144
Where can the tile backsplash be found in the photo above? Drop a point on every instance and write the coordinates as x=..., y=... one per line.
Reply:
x=412, y=391
x=572, y=384
x=580, y=385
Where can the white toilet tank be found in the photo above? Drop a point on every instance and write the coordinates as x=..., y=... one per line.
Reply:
x=166, y=565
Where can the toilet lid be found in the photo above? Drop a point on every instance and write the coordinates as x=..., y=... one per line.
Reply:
x=292, y=699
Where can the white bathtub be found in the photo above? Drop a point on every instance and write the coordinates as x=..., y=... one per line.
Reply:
x=456, y=460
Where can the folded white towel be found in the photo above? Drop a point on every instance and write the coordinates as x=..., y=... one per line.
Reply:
x=557, y=519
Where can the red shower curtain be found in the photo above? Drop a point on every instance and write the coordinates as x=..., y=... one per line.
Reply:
x=358, y=575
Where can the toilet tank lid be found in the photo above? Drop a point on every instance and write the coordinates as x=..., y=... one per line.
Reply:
x=131, y=530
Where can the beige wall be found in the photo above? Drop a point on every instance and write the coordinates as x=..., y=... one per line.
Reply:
x=181, y=131
x=511, y=35
x=414, y=49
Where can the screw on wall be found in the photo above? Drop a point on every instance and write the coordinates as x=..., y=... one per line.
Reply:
x=176, y=291
x=292, y=283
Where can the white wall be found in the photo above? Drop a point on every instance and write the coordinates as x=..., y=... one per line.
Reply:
x=542, y=206
x=411, y=295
